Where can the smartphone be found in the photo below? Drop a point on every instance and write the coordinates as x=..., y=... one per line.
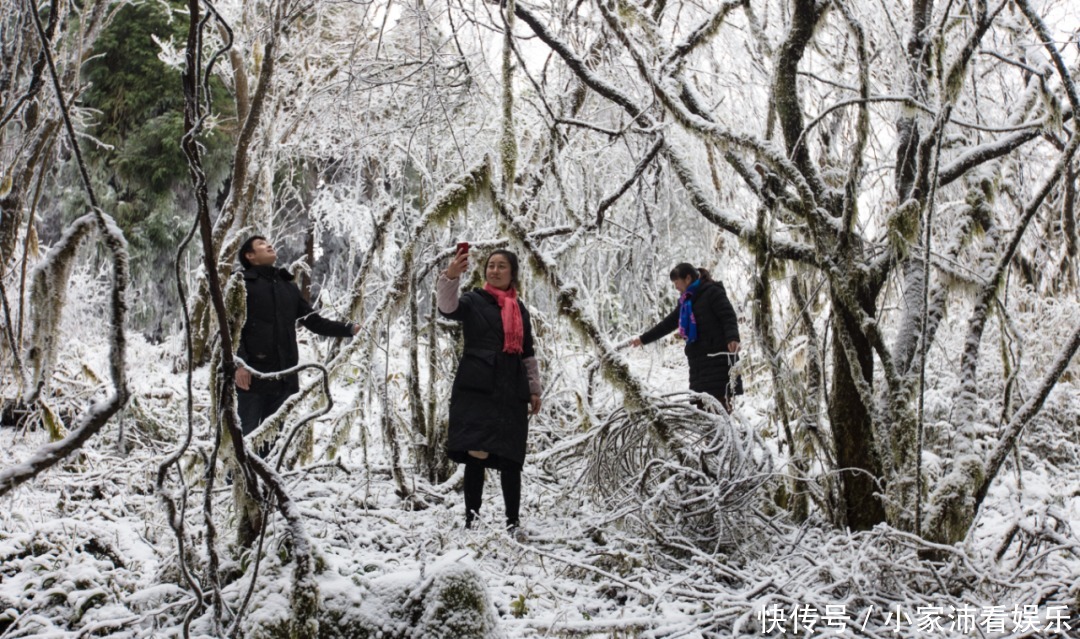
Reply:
x=462, y=247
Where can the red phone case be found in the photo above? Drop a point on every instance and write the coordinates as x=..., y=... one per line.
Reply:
x=462, y=247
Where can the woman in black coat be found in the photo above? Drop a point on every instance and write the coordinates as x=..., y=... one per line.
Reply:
x=497, y=385
x=707, y=321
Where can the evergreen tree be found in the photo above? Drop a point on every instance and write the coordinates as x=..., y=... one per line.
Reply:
x=139, y=103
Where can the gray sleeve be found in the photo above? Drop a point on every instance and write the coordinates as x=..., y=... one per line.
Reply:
x=532, y=368
x=447, y=294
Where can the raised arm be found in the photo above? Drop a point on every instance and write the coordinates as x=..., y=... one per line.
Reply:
x=448, y=288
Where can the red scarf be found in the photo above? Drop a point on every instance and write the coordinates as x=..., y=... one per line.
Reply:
x=513, y=328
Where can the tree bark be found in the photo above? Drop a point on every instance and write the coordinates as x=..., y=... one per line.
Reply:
x=852, y=424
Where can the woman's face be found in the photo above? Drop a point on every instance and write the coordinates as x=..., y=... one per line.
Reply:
x=498, y=272
x=681, y=283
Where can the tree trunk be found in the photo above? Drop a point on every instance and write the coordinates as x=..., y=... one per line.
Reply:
x=852, y=425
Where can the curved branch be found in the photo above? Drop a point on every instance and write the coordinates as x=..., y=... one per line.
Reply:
x=1024, y=414
x=324, y=377
x=862, y=126
x=723, y=136
x=1048, y=42
x=38, y=69
x=176, y=523
x=702, y=33
x=804, y=20
x=607, y=202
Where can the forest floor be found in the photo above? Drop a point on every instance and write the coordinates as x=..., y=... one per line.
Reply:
x=85, y=551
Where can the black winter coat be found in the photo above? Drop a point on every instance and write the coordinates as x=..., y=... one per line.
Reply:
x=489, y=402
x=268, y=339
x=709, y=359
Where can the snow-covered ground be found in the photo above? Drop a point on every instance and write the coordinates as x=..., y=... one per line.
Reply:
x=85, y=549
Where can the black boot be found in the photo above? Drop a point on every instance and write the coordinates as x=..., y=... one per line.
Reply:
x=511, y=489
x=474, y=491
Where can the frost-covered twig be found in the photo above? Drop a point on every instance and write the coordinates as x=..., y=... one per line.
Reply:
x=606, y=203
x=701, y=34
x=1048, y=42
x=1030, y=408
x=378, y=238
x=38, y=68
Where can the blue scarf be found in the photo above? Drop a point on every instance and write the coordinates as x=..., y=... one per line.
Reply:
x=687, y=322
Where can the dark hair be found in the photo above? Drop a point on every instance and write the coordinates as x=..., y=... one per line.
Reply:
x=686, y=269
x=248, y=247
x=683, y=270
x=515, y=269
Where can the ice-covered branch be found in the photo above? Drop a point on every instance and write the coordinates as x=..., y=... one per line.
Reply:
x=805, y=15
x=378, y=238
x=862, y=125
x=702, y=33
x=1023, y=416
x=608, y=201
x=980, y=313
x=270, y=424
x=508, y=140
x=38, y=68
x=723, y=136
x=784, y=248
x=1049, y=43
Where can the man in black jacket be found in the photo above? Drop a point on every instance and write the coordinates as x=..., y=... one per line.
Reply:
x=268, y=339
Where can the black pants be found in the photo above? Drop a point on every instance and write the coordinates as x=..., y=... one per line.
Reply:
x=509, y=476
x=254, y=408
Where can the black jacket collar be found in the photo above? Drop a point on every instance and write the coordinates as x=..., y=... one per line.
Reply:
x=269, y=272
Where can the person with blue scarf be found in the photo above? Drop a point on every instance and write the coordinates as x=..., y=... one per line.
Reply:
x=706, y=319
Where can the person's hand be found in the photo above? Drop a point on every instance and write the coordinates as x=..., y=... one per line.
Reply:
x=733, y=346
x=636, y=341
x=458, y=265
x=534, y=404
x=243, y=378
x=355, y=328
